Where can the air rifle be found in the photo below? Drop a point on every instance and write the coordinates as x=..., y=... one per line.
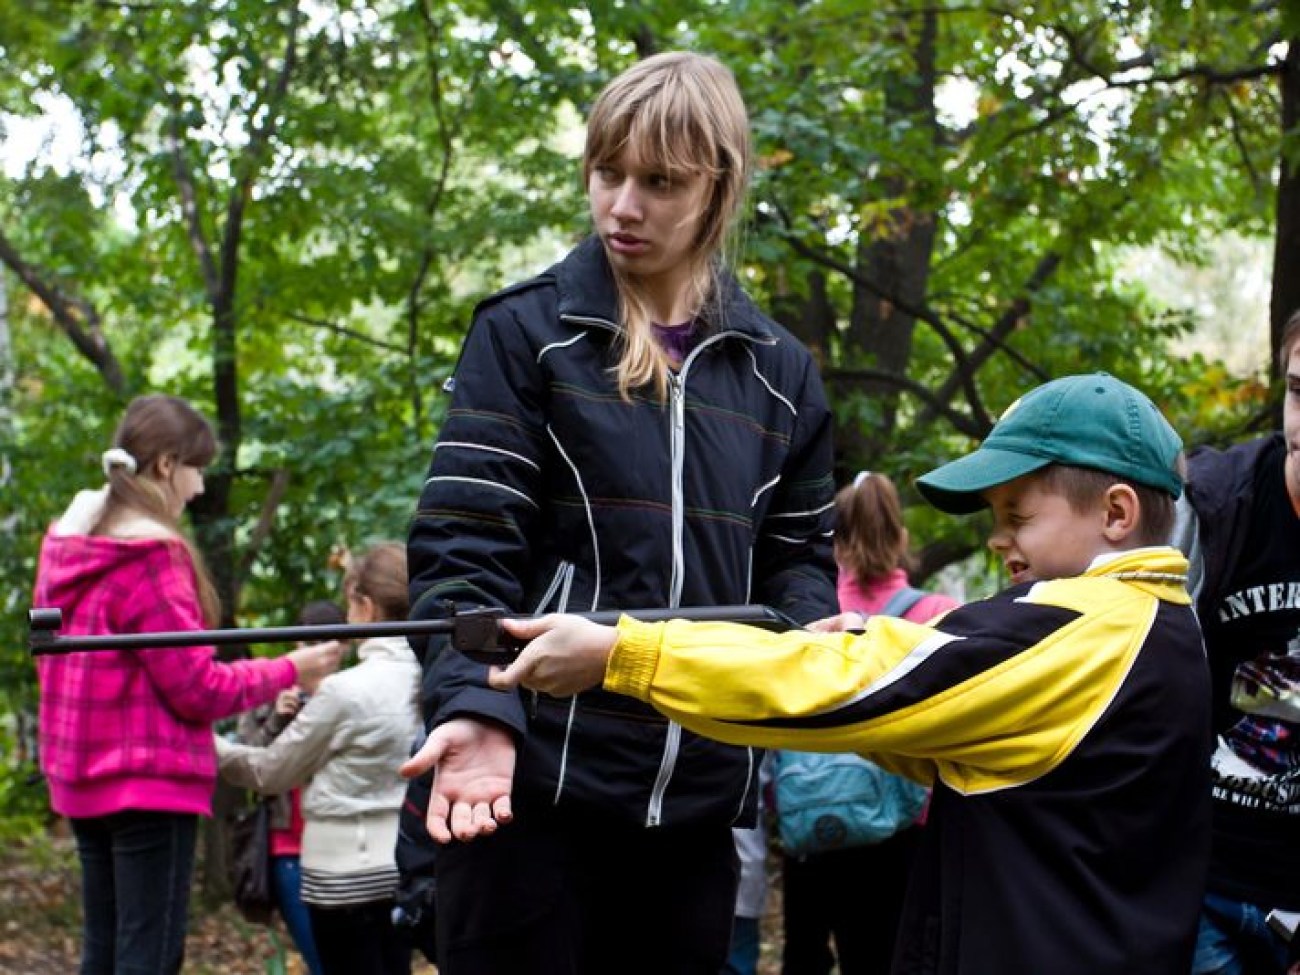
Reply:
x=477, y=633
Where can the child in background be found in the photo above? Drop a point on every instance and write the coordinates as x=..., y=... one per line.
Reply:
x=751, y=895
x=871, y=549
x=259, y=728
x=125, y=735
x=348, y=740
x=1064, y=723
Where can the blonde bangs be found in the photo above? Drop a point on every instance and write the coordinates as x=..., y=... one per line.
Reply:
x=659, y=130
x=676, y=112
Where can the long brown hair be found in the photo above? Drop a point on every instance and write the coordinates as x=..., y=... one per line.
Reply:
x=682, y=111
x=154, y=428
x=870, y=537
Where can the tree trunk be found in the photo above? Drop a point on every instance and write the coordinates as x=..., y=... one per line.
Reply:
x=811, y=318
x=8, y=522
x=897, y=258
x=1286, y=246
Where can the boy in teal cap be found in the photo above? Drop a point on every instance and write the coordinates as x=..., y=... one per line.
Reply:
x=1063, y=723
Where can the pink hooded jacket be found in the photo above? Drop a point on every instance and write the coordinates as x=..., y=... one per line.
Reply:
x=874, y=596
x=131, y=729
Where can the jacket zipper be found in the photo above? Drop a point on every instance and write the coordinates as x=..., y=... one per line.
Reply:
x=563, y=577
x=677, y=454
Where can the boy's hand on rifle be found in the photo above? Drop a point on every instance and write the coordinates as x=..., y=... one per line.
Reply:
x=565, y=654
x=474, y=764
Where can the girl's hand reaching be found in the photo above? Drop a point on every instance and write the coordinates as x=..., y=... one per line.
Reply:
x=316, y=662
x=288, y=701
x=566, y=654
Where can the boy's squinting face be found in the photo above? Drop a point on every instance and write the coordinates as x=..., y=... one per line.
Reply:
x=1291, y=421
x=1039, y=535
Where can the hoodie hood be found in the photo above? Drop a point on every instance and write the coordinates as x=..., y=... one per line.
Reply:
x=74, y=564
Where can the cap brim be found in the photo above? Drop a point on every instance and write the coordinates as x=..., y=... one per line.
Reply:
x=955, y=487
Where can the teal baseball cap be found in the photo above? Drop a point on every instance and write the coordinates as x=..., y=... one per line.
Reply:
x=1094, y=421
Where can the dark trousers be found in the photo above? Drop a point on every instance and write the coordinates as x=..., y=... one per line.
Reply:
x=135, y=891
x=853, y=896
x=552, y=894
x=359, y=940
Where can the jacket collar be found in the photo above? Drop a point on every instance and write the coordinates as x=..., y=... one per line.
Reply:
x=586, y=290
x=1159, y=570
x=386, y=648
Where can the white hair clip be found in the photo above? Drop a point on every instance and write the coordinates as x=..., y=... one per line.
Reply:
x=862, y=476
x=117, y=457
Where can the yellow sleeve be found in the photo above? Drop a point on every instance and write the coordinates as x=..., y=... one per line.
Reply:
x=995, y=693
x=749, y=686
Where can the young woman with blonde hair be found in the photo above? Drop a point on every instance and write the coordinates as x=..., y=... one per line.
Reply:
x=125, y=736
x=626, y=430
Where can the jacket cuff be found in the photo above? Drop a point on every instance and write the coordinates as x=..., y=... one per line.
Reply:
x=632, y=664
x=485, y=704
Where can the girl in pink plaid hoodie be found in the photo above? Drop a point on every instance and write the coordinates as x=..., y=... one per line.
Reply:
x=125, y=735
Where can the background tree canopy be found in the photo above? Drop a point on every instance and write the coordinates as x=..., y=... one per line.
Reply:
x=285, y=211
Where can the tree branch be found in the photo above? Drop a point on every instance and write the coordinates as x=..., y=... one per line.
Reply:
x=973, y=427
x=1234, y=127
x=265, y=522
x=190, y=209
x=248, y=165
x=995, y=339
x=75, y=316
x=345, y=331
x=1151, y=58
x=919, y=313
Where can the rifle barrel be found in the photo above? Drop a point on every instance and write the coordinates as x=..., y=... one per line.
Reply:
x=44, y=623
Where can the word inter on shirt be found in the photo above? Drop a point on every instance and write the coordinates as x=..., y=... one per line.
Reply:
x=1272, y=598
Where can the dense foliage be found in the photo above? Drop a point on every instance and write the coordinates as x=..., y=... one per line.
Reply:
x=285, y=211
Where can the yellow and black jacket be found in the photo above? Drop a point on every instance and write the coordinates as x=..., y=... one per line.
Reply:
x=1064, y=726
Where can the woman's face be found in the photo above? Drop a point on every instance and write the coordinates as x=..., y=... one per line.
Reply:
x=648, y=220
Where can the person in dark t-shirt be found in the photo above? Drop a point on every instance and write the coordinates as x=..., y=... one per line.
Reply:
x=1239, y=523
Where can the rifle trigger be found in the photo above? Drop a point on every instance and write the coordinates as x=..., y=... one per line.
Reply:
x=477, y=634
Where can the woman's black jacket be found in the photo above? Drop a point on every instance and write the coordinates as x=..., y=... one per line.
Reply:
x=548, y=491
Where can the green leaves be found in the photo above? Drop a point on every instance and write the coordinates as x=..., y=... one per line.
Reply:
x=943, y=193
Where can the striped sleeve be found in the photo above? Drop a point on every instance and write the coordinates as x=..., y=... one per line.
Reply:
x=997, y=693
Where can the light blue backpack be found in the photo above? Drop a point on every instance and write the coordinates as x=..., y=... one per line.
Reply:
x=832, y=802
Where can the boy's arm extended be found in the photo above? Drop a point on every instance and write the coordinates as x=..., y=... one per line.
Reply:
x=998, y=693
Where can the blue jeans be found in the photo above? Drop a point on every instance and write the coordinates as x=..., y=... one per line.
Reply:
x=743, y=959
x=286, y=875
x=1234, y=938
x=135, y=891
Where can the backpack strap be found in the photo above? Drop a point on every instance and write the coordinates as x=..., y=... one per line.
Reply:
x=901, y=601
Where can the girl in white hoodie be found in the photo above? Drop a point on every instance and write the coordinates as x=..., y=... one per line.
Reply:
x=349, y=740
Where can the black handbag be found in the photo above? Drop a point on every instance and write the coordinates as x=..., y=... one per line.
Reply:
x=250, y=862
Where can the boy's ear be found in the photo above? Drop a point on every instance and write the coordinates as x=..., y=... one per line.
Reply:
x=1122, y=512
